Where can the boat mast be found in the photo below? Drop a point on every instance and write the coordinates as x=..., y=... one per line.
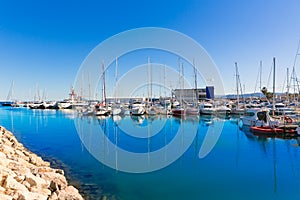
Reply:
x=260, y=73
x=116, y=77
x=179, y=76
x=10, y=92
x=273, y=112
x=104, y=88
x=149, y=81
x=182, y=77
x=237, y=85
x=196, y=90
x=165, y=81
x=287, y=86
x=294, y=79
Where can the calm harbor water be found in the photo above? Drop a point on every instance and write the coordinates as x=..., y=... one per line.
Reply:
x=240, y=166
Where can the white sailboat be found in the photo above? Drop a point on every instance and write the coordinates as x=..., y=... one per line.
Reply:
x=117, y=108
x=9, y=101
x=102, y=108
x=237, y=110
x=193, y=109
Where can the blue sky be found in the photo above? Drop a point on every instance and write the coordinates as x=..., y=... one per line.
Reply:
x=43, y=43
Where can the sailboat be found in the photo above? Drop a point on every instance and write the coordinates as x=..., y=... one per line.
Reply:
x=179, y=110
x=193, y=109
x=282, y=129
x=238, y=110
x=9, y=101
x=117, y=108
x=102, y=108
x=165, y=108
x=150, y=108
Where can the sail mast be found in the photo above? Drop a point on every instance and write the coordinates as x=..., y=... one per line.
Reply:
x=10, y=92
x=260, y=74
x=273, y=112
x=196, y=91
x=104, y=87
x=116, y=77
x=237, y=85
x=287, y=86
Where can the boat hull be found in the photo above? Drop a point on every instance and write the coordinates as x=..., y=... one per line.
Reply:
x=267, y=130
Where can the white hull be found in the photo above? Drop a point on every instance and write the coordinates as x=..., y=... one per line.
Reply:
x=258, y=117
x=117, y=111
x=192, y=111
x=64, y=105
x=138, y=111
x=207, y=111
x=101, y=111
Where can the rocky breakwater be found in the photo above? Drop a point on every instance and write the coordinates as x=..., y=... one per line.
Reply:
x=25, y=176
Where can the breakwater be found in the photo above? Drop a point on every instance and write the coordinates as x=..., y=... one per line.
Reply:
x=26, y=176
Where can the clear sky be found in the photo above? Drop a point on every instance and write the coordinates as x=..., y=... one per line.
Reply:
x=43, y=43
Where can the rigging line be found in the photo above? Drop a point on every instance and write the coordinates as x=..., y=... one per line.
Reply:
x=297, y=53
x=293, y=74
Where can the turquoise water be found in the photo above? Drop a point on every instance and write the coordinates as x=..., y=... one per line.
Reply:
x=240, y=166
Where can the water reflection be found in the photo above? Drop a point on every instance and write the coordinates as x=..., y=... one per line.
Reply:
x=240, y=160
x=140, y=140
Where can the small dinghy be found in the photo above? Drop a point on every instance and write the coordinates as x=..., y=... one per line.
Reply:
x=281, y=130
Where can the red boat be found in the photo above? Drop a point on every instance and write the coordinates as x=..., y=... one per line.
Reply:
x=179, y=112
x=288, y=130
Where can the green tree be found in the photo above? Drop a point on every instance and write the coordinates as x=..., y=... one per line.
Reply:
x=268, y=95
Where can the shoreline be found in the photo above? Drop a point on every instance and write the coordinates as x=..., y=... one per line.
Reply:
x=25, y=175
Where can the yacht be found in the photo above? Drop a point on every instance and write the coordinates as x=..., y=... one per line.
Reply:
x=137, y=108
x=258, y=117
x=207, y=109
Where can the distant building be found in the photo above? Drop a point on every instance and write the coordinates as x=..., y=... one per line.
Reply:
x=191, y=95
x=210, y=92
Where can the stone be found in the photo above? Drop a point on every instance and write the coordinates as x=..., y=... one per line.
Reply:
x=20, y=154
x=26, y=184
x=43, y=191
x=36, y=181
x=53, y=196
x=69, y=193
x=31, y=196
x=60, y=171
x=20, y=178
x=11, y=183
x=4, y=172
x=4, y=162
x=53, y=186
x=45, y=169
x=6, y=150
x=38, y=161
x=18, y=167
x=58, y=179
x=2, y=190
x=5, y=197
x=2, y=155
